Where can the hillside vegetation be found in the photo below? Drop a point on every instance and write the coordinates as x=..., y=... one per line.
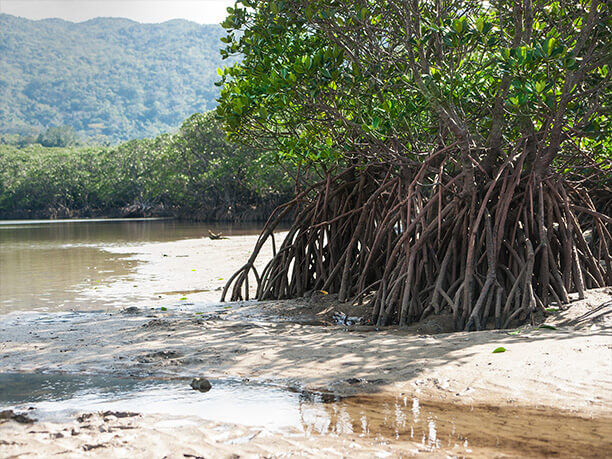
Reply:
x=111, y=79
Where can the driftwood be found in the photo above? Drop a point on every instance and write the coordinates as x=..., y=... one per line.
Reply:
x=215, y=236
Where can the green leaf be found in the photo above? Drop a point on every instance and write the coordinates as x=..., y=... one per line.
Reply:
x=376, y=122
x=459, y=25
x=183, y=298
x=499, y=350
x=550, y=45
x=514, y=332
x=480, y=24
x=164, y=308
x=552, y=309
x=227, y=307
x=219, y=71
x=548, y=327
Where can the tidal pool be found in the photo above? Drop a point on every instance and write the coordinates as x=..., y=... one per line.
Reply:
x=58, y=397
x=473, y=431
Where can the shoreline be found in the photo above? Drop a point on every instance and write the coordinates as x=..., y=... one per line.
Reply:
x=294, y=343
x=568, y=368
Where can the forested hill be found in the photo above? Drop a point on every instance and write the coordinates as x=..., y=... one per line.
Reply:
x=108, y=77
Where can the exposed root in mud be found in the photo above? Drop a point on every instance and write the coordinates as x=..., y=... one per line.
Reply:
x=493, y=254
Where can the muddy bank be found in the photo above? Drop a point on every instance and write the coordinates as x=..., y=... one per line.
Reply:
x=258, y=210
x=289, y=343
x=155, y=436
x=549, y=381
x=393, y=429
x=565, y=367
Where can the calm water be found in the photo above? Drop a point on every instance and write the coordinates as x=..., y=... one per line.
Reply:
x=466, y=431
x=48, y=265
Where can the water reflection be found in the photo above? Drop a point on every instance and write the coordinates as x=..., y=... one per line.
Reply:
x=460, y=430
x=463, y=430
x=51, y=265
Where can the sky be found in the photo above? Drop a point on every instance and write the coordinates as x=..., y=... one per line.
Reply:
x=201, y=11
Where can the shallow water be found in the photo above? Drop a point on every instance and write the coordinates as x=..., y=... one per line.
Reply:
x=473, y=431
x=54, y=265
x=57, y=397
x=481, y=431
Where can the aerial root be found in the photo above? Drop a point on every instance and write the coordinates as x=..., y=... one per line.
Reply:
x=418, y=245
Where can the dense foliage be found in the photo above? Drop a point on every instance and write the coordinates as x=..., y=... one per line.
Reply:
x=465, y=148
x=329, y=79
x=194, y=173
x=108, y=78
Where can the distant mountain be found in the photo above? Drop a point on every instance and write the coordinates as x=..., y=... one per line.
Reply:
x=107, y=77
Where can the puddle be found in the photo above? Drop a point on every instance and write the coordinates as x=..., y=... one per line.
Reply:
x=473, y=431
x=59, y=397
x=477, y=431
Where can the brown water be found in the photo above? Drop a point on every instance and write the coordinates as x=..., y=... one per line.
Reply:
x=50, y=265
x=475, y=431
x=461, y=431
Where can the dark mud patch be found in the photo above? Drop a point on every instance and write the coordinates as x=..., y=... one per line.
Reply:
x=10, y=415
x=152, y=357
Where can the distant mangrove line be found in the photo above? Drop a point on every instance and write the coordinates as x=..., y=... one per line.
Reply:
x=195, y=173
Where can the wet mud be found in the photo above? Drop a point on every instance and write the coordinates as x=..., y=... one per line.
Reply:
x=470, y=431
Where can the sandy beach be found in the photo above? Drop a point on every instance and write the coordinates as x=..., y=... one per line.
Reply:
x=562, y=369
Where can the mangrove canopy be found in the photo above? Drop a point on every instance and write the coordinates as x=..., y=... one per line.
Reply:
x=454, y=156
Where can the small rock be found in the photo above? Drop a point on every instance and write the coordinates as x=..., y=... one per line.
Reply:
x=130, y=310
x=201, y=384
x=119, y=414
x=83, y=417
x=20, y=418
